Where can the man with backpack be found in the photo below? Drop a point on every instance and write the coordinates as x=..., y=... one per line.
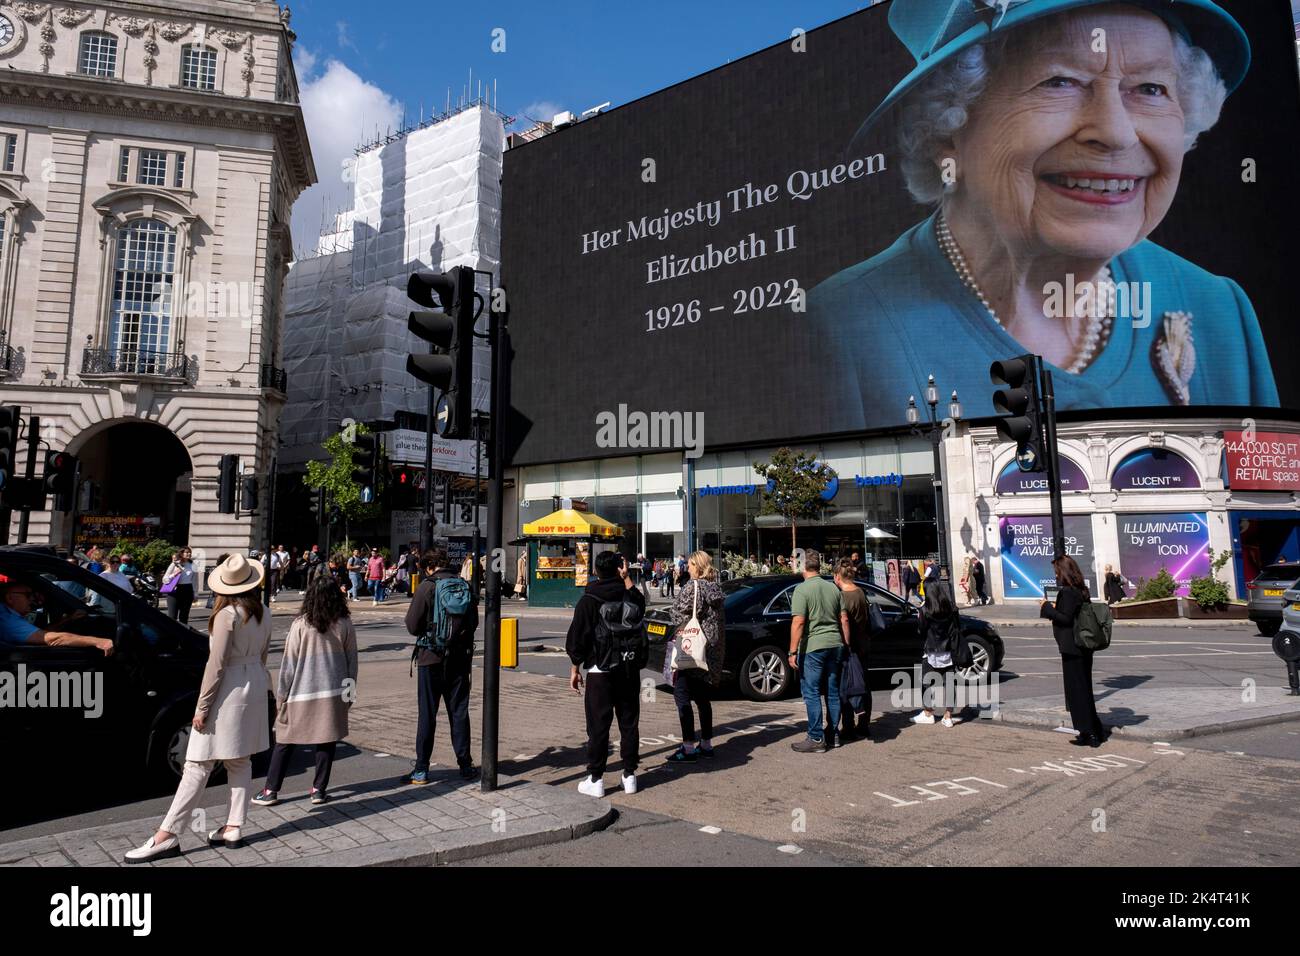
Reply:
x=607, y=638
x=443, y=617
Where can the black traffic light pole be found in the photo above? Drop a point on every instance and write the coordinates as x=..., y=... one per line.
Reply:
x=1053, y=460
x=499, y=340
x=33, y=446
x=426, y=534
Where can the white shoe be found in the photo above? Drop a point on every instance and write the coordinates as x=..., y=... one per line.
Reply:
x=592, y=788
x=923, y=718
x=629, y=783
x=168, y=848
x=950, y=721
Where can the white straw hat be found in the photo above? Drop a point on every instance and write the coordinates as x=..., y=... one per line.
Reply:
x=236, y=575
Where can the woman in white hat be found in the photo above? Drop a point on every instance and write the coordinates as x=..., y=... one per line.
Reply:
x=230, y=719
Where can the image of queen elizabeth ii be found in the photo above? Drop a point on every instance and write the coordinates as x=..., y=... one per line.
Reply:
x=1049, y=137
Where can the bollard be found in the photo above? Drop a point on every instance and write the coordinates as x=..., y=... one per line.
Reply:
x=510, y=642
x=1286, y=645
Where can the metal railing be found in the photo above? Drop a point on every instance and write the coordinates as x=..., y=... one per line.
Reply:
x=276, y=378
x=8, y=360
x=133, y=361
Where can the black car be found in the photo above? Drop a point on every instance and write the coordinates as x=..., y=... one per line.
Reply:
x=1266, y=596
x=147, y=688
x=758, y=637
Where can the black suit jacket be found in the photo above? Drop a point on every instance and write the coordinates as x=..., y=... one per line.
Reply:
x=1062, y=615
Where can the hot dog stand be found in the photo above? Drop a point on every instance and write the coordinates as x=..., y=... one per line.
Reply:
x=561, y=550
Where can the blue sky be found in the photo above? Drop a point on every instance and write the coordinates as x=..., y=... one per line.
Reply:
x=361, y=66
x=571, y=54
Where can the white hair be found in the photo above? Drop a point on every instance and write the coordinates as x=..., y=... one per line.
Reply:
x=940, y=106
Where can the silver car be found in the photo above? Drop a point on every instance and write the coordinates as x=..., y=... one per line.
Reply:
x=1291, y=613
x=1265, y=599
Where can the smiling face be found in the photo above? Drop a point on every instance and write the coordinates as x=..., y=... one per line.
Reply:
x=1071, y=151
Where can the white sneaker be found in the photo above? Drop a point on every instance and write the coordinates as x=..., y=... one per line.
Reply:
x=923, y=718
x=950, y=721
x=629, y=783
x=592, y=788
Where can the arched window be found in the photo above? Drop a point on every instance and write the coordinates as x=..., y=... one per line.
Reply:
x=98, y=55
x=140, y=333
x=199, y=67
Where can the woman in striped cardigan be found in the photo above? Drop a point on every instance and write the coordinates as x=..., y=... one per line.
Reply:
x=316, y=687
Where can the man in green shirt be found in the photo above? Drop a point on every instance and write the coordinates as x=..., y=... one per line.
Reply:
x=819, y=632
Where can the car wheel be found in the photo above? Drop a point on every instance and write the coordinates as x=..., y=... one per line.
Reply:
x=168, y=758
x=764, y=675
x=1268, y=628
x=981, y=664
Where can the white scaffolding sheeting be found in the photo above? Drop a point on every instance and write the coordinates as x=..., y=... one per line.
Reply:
x=431, y=199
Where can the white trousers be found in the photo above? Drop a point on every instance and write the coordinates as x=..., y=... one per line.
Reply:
x=193, y=781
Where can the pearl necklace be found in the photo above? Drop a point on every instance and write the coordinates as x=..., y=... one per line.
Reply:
x=1099, y=320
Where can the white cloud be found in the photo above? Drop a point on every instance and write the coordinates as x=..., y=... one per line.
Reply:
x=340, y=109
x=345, y=36
x=304, y=61
x=543, y=110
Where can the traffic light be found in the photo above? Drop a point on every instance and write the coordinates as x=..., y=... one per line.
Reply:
x=451, y=333
x=317, y=499
x=248, y=496
x=439, y=499
x=9, y=423
x=365, y=464
x=336, y=515
x=1018, y=400
x=226, y=483
x=61, y=479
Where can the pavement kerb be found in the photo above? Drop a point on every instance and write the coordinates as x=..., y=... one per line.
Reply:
x=468, y=844
x=1134, y=732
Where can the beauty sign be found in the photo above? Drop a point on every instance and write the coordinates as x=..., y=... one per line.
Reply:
x=1178, y=542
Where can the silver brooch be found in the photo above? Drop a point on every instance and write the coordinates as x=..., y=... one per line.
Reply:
x=1173, y=356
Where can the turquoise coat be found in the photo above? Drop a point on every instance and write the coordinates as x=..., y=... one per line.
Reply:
x=891, y=321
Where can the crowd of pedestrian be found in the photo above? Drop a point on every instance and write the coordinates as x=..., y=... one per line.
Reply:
x=833, y=623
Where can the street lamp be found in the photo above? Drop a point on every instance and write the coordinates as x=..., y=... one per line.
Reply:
x=934, y=431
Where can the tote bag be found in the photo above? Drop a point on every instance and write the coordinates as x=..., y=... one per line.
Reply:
x=689, y=645
x=169, y=587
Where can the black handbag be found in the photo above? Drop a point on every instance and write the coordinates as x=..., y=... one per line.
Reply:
x=960, y=647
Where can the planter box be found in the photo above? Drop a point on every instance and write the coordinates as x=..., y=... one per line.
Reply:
x=1177, y=607
x=1226, y=612
x=1146, y=610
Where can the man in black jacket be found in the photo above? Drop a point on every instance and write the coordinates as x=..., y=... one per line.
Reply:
x=442, y=677
x=613, y=687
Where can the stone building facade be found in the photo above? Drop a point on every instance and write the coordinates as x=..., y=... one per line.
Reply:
x=150, y=155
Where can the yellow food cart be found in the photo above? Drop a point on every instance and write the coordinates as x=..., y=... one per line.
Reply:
x=561, y=549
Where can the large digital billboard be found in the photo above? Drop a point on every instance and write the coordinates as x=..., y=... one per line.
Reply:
x=788, y=246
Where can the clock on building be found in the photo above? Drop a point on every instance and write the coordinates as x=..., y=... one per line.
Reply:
x=12, y=35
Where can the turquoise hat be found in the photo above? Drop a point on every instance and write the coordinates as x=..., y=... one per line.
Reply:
x=935, y=30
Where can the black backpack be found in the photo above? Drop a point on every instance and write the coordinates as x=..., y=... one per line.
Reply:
x=620, y=636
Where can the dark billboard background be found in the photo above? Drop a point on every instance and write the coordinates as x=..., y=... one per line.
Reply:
x=579, y=322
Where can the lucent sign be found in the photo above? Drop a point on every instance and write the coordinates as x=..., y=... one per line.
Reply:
x=1267, y=461
x=1154, y=469
x=1013, y=481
